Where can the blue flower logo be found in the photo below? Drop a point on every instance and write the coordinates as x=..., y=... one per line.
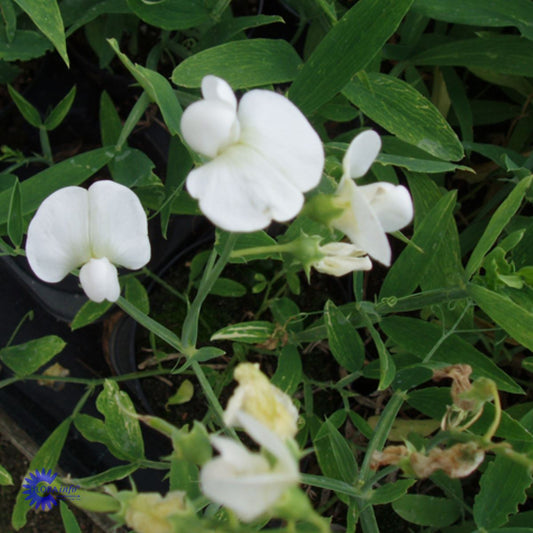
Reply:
x=38, y=493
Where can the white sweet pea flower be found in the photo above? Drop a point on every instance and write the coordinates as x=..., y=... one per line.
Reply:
x=340, y=258
x=247, y=482
x=96, y=229
x=257, y=397
x=370, y=211
x=264, y=155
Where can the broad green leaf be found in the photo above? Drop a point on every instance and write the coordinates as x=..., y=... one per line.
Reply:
x=253, y=332
x=110, y=123
x=131, y=167
x=47, y=17
x=243, y=64
x=427, y=510
x=171, y=14
x=496, y=13
x=136, y=294
x=459, y=99
x=346, y=49
x=344, y=341
x=390, y=492
x=513, y=318
x=57, y=115
x=402, y=110
x=26, y=45
x=508, y=54
x=413, y=164
x=184, y=476
x=183, y=395
x=497, y=223
x=27, y=110
x=289, y=371
x=88, y=313
x=121, y=423
x=158, y=89
x=15, y=220
x=25, y=359
x=47, y=458
x=420, y=338
x=408, y=270
x=228, y=288
x=72, y=171
x=10, y=18
x=69, y=520
x=5, y=477
x=505, y=482
x=114, y=473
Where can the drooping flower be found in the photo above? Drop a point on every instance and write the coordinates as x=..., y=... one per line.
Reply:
x=340, y=258
x=247, y=482
x=264, y=155
x=369, y=211
x=257, y=397
x=96, y=229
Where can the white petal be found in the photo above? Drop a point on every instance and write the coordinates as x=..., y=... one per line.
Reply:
x=392, y=204
x=241, y=459
x=361, y=153
x=241, y=191
x=58, y=235
x=117, y=225
x=342, y=258
x=360, y=224
x=274, y=126
x=209, y=126
x=214, y=88
x=99, y=280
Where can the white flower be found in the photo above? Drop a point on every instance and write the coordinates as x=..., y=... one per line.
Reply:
x=98, y=228
x=264, y=153
x=370, y=211
x=341, y=258
x=247, y=482
x=256, y=396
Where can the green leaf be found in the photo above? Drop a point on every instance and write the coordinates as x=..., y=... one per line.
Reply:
x=136, y=294
x=171, y=14
x=344, y=341
x=183, y=395
x=419, y=338
x=390, y=492
x=228, y=288
x=253, y=332
x=58, y=114
x=496, y=13
x=26, y=109
x=69, y=520
x=47, y=17
x=497, y=223
x=10, y=18
x=88, y=313
x=121, y=424
x=15, y=220
x=25, y=359
x=131, y=167
x=47, y=458
x=346, y=49
x=110, y=123
x=289, y=371
x=72, y=171
x=5, y=477
x=513, y=318
x=158, y=89
x=114, y=473
x=427, y=510
x=79, y=13
x=402, y=110
x=505, y=482
x=243, y=64
x=408, y=270
x=508, y=54
x=26, y=45
x=429, y=166
x=184, y=476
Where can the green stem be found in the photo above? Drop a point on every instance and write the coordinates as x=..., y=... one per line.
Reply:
x=164, y=284
x=368, y=520
x=28, y=315
x=135, y=115
x=256, y=250
x=45, y=145
x=497, y=414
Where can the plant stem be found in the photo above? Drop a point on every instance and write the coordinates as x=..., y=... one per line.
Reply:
x=45, y=145
x=276, y=248
x=164, y=284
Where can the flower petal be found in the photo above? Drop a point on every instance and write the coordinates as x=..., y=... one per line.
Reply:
x=117, y=225
x=99, y=280
x=241, y=191
x=360, y=224
x=392, y=204
x=214, y=88
x=361, y=153
x=342, y=258
x=274, y=126
x=209, y=126
x=58, y=235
